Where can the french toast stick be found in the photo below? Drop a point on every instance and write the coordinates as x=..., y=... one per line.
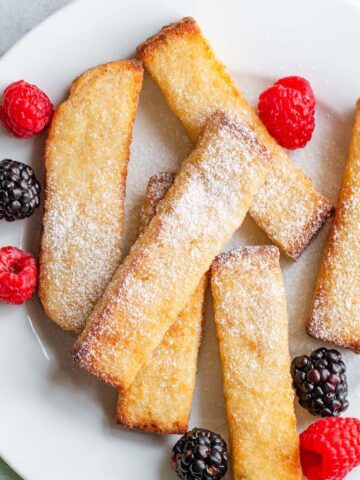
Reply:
x=336, y=306
x=195, y=84
x=159, y=399
x=251, y=326
x=206, y=204
x=86, y=157
x=157, y=188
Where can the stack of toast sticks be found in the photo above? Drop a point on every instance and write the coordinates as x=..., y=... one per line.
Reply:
x=140, y=321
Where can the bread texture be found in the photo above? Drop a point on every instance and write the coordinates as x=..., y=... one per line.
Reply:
x=195, y=84
x=336, y=307
x=157, y=188
x=86, y=157
x=206, y=204
x=159, y=399
x=251, y=325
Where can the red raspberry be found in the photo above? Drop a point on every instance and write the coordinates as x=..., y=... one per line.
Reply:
x=330, y=448
x=287, y=109
x=300, y=84
x=18, y=275
x=25, y=109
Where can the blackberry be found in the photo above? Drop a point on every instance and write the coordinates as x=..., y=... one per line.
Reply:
x=19, y=190
x=200, y=455
x=320, y=382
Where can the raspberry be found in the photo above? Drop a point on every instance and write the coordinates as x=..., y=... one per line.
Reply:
x=330, y=448
x=25, y=109
x=300, y=84
x=287, y=109
x=18, y=275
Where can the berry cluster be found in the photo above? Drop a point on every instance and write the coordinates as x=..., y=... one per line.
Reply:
x=320, y=382
x=25, y=110
x=19, y=190
x=200, y=455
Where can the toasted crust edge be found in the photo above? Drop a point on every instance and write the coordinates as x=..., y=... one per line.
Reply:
x=187, y=25
x=353, y=346
x=241, y=131
x=177, y=429
x=256, y=254
x=157, y=188
x=77, y=84
x=313, y=228
x=79, y=355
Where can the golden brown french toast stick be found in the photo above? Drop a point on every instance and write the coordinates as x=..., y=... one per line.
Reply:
x=336, y=307
x=86, y=157
x=206, y=204
x=195, y=84
x=251, y=326
x=159, y=399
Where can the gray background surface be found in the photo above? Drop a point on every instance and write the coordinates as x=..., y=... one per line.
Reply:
x=19, y=16
x=16, y=18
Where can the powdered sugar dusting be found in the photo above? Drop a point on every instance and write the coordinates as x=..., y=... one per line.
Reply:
x=251, y=324
x=160, y=397
x=246, y=260
x=207, y=202
x=195, y=85
x=86, y=159
x=85, y=254
x=337, y=297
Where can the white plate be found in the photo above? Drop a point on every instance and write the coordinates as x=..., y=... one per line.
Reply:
x=56, y=421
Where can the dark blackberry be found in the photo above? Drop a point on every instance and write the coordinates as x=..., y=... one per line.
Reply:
x=19, y=190
x=320, y=382
x=200, y=455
